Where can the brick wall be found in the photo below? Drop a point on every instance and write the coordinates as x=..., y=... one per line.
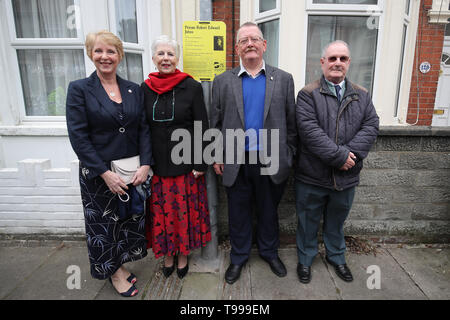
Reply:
x=429, y=43
x=223, y=11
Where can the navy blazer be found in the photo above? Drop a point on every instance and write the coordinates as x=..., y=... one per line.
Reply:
x=96, y=133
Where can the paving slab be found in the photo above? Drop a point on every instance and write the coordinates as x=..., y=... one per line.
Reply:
x=241, y=289
x=17, y=264
x=428, y=268
x=49, y=281
x=395, y=284
x=198, y=264
x=267, y=286
x=40, y=271
x=162, y=288
x=200, y=286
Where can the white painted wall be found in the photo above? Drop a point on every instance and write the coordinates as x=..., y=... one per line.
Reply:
x=39, y=188
x=38, y=199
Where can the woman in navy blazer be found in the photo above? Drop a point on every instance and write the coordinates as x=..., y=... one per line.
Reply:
x=106, y=121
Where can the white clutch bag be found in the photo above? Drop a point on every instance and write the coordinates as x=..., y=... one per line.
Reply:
x=126, y=168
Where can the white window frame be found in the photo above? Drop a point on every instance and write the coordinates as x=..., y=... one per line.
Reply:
x=344, y=7
x=401, y=75
x=68, y=43
x=357, y=10
x=129, y=47
x=40, y=43
x=112, y=25
x=269, y=15
x=294, y=34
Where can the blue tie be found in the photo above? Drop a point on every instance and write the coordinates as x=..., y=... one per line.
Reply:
x=338, y=90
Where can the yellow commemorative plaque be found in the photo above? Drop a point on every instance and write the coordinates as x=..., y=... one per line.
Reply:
x=204, y=49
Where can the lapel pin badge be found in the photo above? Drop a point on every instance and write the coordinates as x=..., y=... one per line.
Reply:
x=271, y=78
x=129, y=90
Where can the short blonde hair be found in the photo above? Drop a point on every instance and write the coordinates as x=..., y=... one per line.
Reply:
x=105, y=36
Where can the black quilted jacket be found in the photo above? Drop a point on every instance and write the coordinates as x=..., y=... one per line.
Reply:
x=329, y=131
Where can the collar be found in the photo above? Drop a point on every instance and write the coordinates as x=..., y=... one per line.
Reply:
x=243, y=70
x=331, y=87
x=342, y=84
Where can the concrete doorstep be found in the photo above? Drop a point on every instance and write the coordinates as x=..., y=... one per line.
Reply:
x=60, y=271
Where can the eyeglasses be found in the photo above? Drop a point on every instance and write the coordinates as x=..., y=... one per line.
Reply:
x=245, y=41
x=342, y=59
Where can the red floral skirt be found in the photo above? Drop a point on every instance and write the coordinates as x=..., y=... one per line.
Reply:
x=177, y=215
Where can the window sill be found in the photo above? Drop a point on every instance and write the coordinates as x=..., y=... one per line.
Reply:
x=49, y=129
x=438, y=16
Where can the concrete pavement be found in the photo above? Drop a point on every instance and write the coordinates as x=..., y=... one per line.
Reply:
x=55, y=270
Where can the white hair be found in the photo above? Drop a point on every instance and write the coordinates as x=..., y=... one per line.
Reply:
x=324, y=51
x=249, y=24
x=163, y=39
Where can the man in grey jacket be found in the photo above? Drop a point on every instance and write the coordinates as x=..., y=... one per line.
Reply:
x=337, y=124
x=254, y=97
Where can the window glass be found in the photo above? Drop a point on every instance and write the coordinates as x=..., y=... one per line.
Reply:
x=266, y=5
x=270, y=31
x=446, y=59
x=130, y=67
x=351, y=29
x=45, y=75
x=447, y=29
x=126, y=21
x=44, y=18
x=400, y=72
x=347, y=1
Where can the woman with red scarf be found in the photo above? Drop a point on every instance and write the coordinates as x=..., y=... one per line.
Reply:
x=178, y=216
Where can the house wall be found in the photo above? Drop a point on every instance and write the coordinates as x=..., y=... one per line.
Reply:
x=403, y=196
x=404, y=186
x=429, y=44
x=223, y=11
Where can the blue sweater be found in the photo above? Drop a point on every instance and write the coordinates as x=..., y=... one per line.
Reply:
x=254, y=92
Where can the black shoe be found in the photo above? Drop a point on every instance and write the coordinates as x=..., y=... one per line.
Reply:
x=304, y=273
x=233, y=273
x=341, y=270
x=127, y=294
x=167, y=271
x=132, y=278
x=277, y=266
x=183, y=271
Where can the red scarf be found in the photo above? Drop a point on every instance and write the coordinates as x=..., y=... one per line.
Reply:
x=161, y=83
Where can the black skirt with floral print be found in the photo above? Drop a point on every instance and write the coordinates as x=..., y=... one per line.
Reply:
x=112, y=239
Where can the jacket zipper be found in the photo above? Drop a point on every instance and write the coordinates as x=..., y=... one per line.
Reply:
x=337, y=132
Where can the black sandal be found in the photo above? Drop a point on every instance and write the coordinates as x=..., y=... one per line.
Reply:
x=128, y=294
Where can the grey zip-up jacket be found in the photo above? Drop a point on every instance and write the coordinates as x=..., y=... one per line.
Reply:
x=330, y=130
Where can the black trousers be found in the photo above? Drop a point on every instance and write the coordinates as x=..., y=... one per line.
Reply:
x=252, y=190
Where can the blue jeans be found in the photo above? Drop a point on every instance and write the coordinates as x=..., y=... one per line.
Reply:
x=311, y=203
